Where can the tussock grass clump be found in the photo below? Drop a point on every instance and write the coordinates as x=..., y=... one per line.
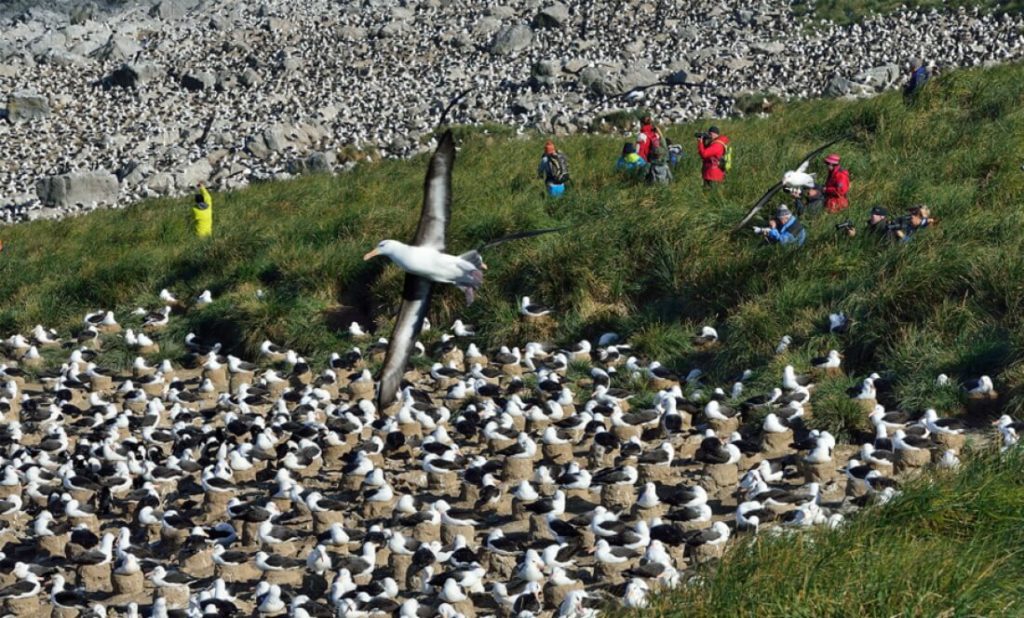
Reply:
x=652, y=263
x=946, y=547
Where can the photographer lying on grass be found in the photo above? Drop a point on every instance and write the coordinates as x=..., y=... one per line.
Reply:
x=917, y=218
x=877, y=224
x=898, y=229
x=784, y=229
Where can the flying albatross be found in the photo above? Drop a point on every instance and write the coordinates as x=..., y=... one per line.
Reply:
x=793, y=178
x=425, y=263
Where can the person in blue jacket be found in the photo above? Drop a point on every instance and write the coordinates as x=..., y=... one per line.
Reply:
x=918, y=217
x=783, y=229
x=918, y=76
x=630, y=161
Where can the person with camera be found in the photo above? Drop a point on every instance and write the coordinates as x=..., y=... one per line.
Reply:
x=711, y=146
x=837, y=185
x=783, y=229
x=917, y=218
x=878, y=224
x=808, y=200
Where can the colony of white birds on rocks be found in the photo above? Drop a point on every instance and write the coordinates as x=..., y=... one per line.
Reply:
x=510, y=482
x=108, y=105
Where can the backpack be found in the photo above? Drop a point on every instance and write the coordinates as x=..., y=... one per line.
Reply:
x=725, y=163
x=558, y=168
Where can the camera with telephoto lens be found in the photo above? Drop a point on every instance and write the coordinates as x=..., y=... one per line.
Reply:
x=897, y=224
x=845, y=225
x=701, y=135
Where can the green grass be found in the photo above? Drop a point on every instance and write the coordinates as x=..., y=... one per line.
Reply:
x=651, y=263
x=948, y=546
x=848, y=11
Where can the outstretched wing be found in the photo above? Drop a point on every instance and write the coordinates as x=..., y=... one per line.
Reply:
x=432, y=230
x=777, y=186
x=518, y=235
x=818, y=151
x=437, y=196
x=757, y=206
x=416, y=295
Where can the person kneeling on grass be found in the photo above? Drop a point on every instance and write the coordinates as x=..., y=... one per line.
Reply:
x=808, y=200
x=783, y=229
x=630, y=161
x=658, y=172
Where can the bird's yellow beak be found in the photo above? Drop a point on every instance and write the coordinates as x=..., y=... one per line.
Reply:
x=372, y=254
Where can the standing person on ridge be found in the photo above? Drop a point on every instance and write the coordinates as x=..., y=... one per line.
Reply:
x=837, y=185
x=648, y=138
x=202, y=212
x=918, y=76
x=711, y=147
x=554, y=169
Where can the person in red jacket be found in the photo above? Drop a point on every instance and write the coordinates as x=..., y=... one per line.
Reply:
x=837, y=185
x=649, y=137
x=711, y=148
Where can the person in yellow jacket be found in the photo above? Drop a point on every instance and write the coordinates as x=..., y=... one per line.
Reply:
x=202, y=212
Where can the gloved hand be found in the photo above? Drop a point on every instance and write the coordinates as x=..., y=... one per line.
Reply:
x=759, y=230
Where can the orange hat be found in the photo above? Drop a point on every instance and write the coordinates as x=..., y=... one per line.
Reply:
x=549, y=147
x=832, y=159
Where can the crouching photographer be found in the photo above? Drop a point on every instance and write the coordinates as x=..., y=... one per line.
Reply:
x=783, y=229
x=877, y=225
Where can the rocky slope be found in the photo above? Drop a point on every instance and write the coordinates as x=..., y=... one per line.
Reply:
x=106, y=105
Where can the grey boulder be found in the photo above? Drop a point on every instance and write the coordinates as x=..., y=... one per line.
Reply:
x=198, y=80
x=84, y=188
x=512, y=39
x=27, y=105
x=878, y=77
x=554, y=16
x=135, y=74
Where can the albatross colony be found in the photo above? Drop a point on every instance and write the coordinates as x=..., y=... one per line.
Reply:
x=220, y=487
x=223, y=487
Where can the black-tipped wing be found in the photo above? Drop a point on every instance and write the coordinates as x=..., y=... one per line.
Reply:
x=517, y=236
x=777, y=186
x=415, y=303
x=437, y=196
x=432, y=231
x=759, y=205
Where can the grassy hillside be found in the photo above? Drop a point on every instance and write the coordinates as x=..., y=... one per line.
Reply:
x=946, y=547
x=845, y=11
x=651, y=263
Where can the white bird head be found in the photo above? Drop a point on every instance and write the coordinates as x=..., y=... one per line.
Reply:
x=385, y=247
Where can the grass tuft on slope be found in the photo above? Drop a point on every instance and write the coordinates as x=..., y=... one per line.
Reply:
x=948, y=546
